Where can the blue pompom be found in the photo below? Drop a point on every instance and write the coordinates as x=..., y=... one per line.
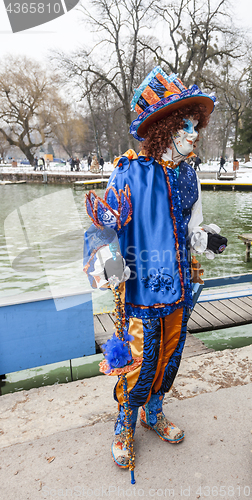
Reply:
x=116, y=352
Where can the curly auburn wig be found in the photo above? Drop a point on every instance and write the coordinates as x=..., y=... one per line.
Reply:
x=159, y=135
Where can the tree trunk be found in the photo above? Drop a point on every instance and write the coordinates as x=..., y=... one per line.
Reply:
x=224, y=141
x=96, y=135
x=236, y=135
x=128, y=122
x=26, y=150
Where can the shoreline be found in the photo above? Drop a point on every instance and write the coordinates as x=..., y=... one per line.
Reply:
x=51, y=177
x=243, y=182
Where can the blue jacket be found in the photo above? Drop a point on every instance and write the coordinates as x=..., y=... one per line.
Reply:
x=154, y=241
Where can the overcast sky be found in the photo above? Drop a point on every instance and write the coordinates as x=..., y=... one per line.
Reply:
x=67, y=32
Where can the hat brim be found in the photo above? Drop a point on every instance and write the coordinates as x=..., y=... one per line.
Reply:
x=167, y=109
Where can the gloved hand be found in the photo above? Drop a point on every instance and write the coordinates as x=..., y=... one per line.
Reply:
x=114, y=267
x=216, y=242
x=109, y=268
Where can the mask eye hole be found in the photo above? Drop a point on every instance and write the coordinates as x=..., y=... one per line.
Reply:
x=188, y=126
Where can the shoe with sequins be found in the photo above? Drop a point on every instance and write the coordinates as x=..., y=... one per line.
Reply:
x=166, y=430
x=119, y=450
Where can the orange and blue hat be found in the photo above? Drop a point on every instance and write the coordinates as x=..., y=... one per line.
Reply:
x=159, y=95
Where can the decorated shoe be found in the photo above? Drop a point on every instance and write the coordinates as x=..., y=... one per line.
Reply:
x=119, y=450
x=166, y=430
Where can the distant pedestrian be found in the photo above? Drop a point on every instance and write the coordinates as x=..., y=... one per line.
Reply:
x=35, y=163
x=197, y=163
x=47, y=164
x=71, y=163
x=101, y=162
x=89, y=161
x=77, y=164
x=41, y=163
x=222, y=162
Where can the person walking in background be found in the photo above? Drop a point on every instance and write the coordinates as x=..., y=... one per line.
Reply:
x=41, y=163
x=89, y=161
x=35, y=163
x=71, y=163
x=222, y=162
x=197, y=162
x=77, y=164
x=101, y=162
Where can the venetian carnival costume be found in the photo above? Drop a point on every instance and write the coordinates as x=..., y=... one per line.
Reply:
x=163, y=228
x=94, y=167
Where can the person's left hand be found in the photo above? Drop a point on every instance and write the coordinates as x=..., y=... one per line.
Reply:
x=216, y=242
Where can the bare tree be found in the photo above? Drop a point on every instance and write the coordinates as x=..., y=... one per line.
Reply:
x=28, y=104
x=4, y=147
x=230, y=86
x=200, y=34
x=118, y=23
x=70, y=130
x=106, y=119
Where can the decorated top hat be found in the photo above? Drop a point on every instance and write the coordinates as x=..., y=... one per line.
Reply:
x=159, y=95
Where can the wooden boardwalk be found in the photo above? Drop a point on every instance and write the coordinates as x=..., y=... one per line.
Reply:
x=223, y=313
x=207, y=315
x=104, y=327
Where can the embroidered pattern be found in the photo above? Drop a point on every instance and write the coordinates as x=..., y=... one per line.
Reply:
x=159, y=281
x=113, y=212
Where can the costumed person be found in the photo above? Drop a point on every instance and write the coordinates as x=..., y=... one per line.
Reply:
x=94, y=167
x=163, y=229
x=89, y=160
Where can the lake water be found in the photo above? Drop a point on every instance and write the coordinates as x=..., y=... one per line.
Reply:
x=50, y=220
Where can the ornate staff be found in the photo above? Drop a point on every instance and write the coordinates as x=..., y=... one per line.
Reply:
x=118, y=357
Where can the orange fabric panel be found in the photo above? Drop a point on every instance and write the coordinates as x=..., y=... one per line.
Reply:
x=150, y=96
x=162, y=80
x=172, y=330
x=137, y=345
x=172, y=89
x=138, y=109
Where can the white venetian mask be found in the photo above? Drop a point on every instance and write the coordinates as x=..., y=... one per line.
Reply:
x=184, y=139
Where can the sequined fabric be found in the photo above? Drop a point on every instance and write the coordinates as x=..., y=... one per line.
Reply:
x=153, y=407
x=160, y=281
x=119, y=450
x=120, y=422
